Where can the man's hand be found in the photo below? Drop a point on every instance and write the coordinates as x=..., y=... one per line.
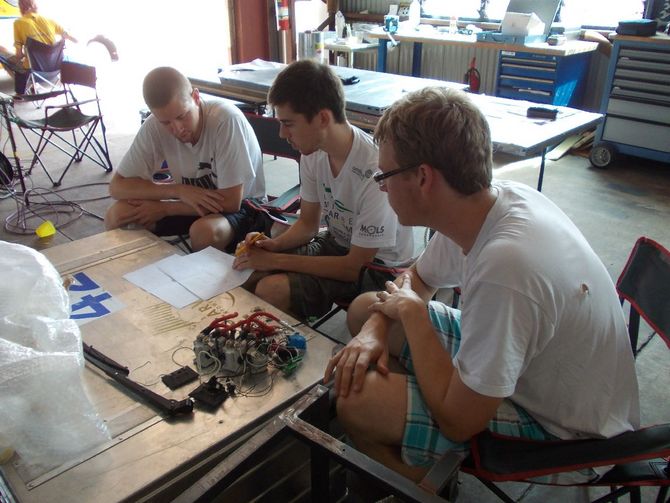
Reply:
x=352, y=362
x=204, y=201
x=143, y=212
x=396, y=300
x=255, y=252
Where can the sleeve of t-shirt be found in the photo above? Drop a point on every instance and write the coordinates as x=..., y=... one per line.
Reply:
x=234, y=165
x=144, y=155
x=500, y=331
x=375, y=224
x=441, y=263
x=19, y=35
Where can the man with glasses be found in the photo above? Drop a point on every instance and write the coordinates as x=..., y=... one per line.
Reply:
x=539, y=348
x=303, y=271
x=213, y=157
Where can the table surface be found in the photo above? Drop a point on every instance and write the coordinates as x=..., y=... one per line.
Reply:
x=350, y=47
x=511, y=131
x=148, y=453
x=569, y=48
x=365, y=101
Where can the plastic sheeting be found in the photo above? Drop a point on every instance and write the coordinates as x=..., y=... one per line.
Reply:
x=44, y=409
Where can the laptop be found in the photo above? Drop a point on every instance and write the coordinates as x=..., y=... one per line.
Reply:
x=544, y=9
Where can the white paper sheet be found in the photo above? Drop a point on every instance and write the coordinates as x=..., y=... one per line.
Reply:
x=152, y=279
x=206, y=273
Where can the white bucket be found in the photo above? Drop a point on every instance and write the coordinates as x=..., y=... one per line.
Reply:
x=311, y=45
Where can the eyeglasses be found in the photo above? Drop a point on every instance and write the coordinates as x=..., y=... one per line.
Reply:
x=379, y=176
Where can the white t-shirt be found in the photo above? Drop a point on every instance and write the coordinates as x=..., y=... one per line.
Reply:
x=541, y=322
x=356, y=212
x=227, y=153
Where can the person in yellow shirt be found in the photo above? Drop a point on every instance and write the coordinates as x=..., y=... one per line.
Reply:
x=35, y=26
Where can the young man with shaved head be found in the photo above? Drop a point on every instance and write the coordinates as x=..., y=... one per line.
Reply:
x=213, y=156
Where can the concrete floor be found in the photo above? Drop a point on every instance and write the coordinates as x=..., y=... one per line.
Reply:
x=612, y=208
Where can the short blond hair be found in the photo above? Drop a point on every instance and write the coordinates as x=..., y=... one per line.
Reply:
x=162, y=84
x=443, y=128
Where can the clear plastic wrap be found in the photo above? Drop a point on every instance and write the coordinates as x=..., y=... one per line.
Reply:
x=44, y=409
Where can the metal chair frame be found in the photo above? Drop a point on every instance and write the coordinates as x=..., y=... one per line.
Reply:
x=64, y=118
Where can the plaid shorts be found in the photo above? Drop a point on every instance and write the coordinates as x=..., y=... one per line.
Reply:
x=423, y=444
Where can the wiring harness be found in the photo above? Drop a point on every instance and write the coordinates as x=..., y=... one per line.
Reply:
x=232, y=347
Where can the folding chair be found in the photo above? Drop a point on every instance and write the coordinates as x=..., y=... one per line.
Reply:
x=645, y=284
x=45, y=62
x=87, y=130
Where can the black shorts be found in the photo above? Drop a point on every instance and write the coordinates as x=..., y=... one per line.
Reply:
x=242, y=222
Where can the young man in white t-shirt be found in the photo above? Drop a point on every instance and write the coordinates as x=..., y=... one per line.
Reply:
x=539, y=348
x=303, y=271
x=214, y=159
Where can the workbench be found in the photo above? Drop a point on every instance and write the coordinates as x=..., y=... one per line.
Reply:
x=511, y=131
x=537, y=71
x=150, y=456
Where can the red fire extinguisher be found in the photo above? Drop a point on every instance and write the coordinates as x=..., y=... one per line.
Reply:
x=472, y=77
x=282, y=15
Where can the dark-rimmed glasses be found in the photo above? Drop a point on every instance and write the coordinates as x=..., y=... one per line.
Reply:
x=380, y=176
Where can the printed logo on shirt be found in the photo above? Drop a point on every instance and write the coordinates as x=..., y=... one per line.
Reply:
x=371, y=230
x=362, y=174
x=206, y=177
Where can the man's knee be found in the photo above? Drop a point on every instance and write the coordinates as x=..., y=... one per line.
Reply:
x=113, y=216
x=275, y=289
x=358, y=312
x=211, y=231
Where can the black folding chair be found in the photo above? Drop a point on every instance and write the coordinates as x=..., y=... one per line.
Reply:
x=45, y=62
x=75, y=127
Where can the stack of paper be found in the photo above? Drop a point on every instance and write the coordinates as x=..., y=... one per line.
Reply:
x=181, y=280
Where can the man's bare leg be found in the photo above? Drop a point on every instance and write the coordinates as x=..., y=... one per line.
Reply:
x=374, y=419
x=276, y=290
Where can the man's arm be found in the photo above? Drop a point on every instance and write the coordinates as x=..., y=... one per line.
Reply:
x=264, y=255
x=459, y=411
x=194, y=200
x=371, y=344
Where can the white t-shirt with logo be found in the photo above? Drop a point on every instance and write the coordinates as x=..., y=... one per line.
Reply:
x=227, y=153
x=541, y=322
x=356, y=212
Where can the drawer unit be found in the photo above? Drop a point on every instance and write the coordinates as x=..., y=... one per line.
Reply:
x=636, y=102
x=543, y=78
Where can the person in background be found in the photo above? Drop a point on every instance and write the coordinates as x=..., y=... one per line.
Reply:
x=303, y=270
x=213, y=157
x=35, y=26
x=539, y=348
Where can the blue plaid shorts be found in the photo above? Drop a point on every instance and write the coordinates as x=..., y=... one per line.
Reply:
x=423, y=444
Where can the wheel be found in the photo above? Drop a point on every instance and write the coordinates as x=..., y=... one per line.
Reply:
x=602, y=155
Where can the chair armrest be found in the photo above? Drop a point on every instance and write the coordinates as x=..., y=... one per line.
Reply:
x=71, y=104
x=503, y=458
x=39, y=97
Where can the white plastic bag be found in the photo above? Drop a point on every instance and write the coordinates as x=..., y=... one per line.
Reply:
x=44, y=409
